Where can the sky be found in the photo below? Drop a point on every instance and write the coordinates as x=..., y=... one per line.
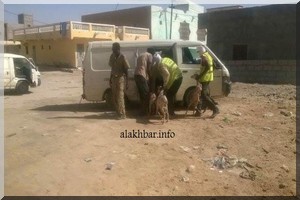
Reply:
x=48, y=13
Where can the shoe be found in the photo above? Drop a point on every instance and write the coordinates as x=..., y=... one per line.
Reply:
x=172, y=113
x=215, y=112
x=197, y=114
x=121, y=117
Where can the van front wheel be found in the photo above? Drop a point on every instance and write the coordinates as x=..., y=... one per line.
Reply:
x=22, y=87
x=186, y=97
x=39, y=82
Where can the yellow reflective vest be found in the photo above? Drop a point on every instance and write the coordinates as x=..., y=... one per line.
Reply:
x=209, y=75
x=173, y=70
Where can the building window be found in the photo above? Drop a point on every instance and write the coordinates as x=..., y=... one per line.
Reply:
x=184, y=31
x=27, y=52
x=240, y=52
x=42, y=46
x=49, y=47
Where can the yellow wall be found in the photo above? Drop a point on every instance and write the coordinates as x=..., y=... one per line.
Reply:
x=53, y=49
x=62, y=53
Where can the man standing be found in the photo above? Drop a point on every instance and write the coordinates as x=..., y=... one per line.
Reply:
x=172, y=79
x=205, y=77
x=118, y=79
x=141, y=77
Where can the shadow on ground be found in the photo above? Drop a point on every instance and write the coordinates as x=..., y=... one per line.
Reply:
x=83, y=107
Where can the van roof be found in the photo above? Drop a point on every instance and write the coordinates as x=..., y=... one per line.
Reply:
x=97, y=44
x=13, y=55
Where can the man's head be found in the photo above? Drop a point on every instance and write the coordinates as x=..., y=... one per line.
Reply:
x=201, y=50
x=156, y=59
x=116, y=48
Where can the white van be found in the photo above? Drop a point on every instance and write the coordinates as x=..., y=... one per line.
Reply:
x=19, y=73
x=96, y=71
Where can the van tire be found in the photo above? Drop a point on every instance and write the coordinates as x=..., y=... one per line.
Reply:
x=108, y=98
x=22, y=87
x=186, y=96
x=39, y=82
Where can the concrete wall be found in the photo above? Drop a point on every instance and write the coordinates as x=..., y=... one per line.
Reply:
x=263, y=71
x=137, y=17
x=155, y=18
x=268, y=31
x=161, y=19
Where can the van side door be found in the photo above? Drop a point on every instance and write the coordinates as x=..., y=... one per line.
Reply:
x=189, y=65
x=189, y=60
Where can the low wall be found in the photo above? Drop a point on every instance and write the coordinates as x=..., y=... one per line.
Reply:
x=263, y=71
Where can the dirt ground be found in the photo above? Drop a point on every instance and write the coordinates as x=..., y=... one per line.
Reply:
x=54, y=146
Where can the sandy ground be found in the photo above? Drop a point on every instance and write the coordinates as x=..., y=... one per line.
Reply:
x=54, y=146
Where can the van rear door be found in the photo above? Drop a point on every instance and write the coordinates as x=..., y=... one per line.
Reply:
x=8, y=73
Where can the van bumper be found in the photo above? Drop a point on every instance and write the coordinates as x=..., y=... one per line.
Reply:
x=226, y=86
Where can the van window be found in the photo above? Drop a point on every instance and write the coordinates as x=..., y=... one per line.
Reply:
x=22, y=68
x=190, y=55
x=100, y=58
x=165, y=51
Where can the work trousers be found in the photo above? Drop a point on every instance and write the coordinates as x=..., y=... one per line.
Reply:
x=117, y=87
x=171, y=94
x=143, y=88
x=206, y=98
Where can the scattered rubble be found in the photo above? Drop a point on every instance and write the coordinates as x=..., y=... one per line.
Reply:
x=186, y=149
x=221, y=146
x=190, y=168
x=267, y=128
x=10, y=135
x=286, y=113
x=88, y=159
x=265, y=150
x=236, y=113
x=285, y=168
x=109, y=165
x=185, y=179
x=196, y=147
x=282, y=185
x=222, y=161
x=269, y=114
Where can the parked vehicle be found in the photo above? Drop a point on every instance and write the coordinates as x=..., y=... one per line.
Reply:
x=96, y=71
x=20, y=73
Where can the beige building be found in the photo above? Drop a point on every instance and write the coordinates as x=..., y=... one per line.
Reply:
x=63, y=44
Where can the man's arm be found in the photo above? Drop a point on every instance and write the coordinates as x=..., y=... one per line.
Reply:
x=110, y=64
x=126, y=67
x=205, y=65
x=165, y=74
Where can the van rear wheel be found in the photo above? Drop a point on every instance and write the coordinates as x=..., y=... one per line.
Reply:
x=22, y=87
x=108, y=98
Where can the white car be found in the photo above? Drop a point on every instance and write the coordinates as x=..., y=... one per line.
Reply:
x=20, y=73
